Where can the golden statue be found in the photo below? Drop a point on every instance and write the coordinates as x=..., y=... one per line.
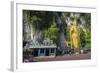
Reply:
x=74, y=35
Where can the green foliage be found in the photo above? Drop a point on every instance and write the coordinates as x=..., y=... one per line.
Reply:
x=88, y=36
x=88, y=39
x=82, y=38
x=52, y=33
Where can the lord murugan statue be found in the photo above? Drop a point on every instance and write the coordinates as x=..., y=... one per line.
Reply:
x=74, y=35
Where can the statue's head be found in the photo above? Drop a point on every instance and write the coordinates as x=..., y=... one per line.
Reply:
x=74, y=22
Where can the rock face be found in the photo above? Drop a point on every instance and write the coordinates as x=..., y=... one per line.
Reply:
x=36, y=38
x=61, y=23
x=26, y=30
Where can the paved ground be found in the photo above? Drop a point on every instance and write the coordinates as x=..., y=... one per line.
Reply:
x=64, y=57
